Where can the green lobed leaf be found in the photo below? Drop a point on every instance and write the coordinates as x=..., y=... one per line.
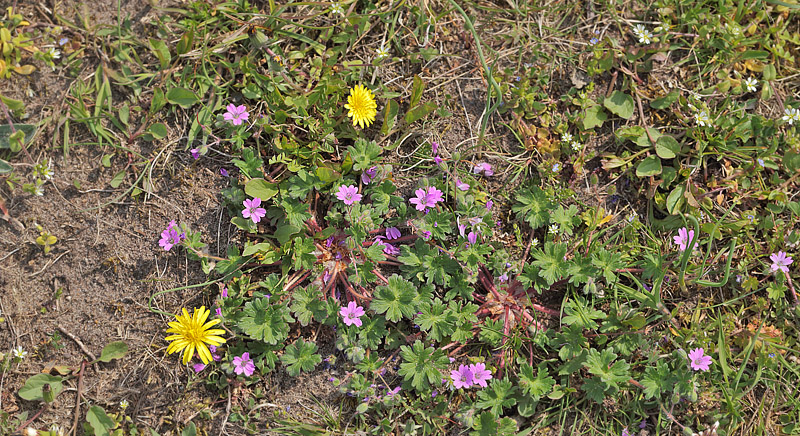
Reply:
x=260, y=188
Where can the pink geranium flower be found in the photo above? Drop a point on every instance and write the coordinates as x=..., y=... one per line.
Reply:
x=236, y=114
x=244, y=365
x=780, y=261
x=170, y=236
x=368, y=175
x=253, y=211
x=348, y=194
x=392, y=233
x=462, y=377
x=352, y=314
x=426, y=198
x=480, y=374
x=698, y=361
x=483, y=168
x=684, y=238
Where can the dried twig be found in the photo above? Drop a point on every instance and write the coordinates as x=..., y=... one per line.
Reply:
x=77, y=341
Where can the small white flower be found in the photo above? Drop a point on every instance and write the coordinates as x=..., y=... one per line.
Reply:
x=47, y=172
x=535, y=242
x=553, y=229
x=123, y=404
x=38, y=190
x=751, y=83
x=576, y=146
x=337, y=8
x=791, y=115
x=702, y=119
x=53, y=53
x=382, y=51
x=733, y=30
x=567, y=137
x=19, y=352
x=644, y=35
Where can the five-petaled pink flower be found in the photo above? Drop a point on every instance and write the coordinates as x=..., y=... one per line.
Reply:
x=244, y=365
x=253, y=211
x=236, y=114
x=462, y=377
x=684, y=238
x=426, y=198
x=698, y=361
x=170, y=236
x=484, y=168
x=480, y=375
x=348, y=194
x=352, y=313
x=780, y=261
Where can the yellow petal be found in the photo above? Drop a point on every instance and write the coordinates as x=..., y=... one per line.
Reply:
x=188, y=353
x=204, y=353
x=211, y=323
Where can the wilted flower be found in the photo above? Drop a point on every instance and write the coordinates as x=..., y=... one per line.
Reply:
x=461, y=185
x=392, y=233
x=368, y=175
x=483, y=168
x=195, y=152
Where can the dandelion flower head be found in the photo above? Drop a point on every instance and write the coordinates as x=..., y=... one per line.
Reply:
x=361, y=106
x=192, y=332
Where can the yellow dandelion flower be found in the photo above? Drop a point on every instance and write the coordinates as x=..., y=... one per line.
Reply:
x=192, y=333
x=362, y=106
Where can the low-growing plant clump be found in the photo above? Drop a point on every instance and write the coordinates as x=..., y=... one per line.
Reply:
x=622, y=265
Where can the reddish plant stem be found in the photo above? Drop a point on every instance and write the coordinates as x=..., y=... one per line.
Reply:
x=380, y=276
x=791, y=288
x=350, y=289
x=33, y=418
x=78, y=399
x=384, y=262
x=296, y=280
x=331, y=285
